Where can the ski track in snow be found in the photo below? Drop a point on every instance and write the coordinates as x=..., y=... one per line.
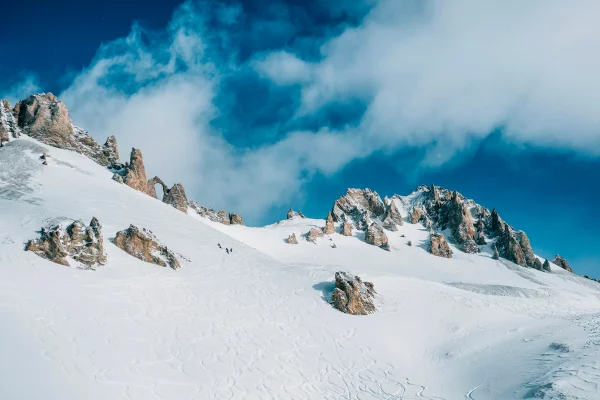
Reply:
x=255, y=324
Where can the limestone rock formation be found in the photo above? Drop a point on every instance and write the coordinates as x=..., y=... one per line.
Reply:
x=294, y=214
x=9, y=129
x=45, y=118
x=353, y=296
x=329, y=225
x=546, y=266
x=375, y=235
x=176, y=197
x=347, y=228
x=458, y=219
x=313, y=234
x=355, y=203
x=292, y=239
x=152, y=187
x=415, y=215
x=438, y=246
x=392, y=213
x=143, y=245
x=134, y=173
x=80, y=242
x=390, y=225
x=561, y=262
x=235, y=219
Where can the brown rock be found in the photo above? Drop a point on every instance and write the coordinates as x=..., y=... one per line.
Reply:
x=176, y=197
x=510, y=248
x=528, y=255
x=292, y=239
x=235, y=219
x=415, y=215
x=329, y=225
x=221, y=216
x=152, y=187
x=356, y=202
x=80, y=242
x=459, y=221
x=375, y=235
x=438, y=246
x=393, y=214
x=347, y=228
x=561, y=262
x=111, y=150
x=134, y=175
x=353, y=296
x=293, y=214
x=143, y=245
x=313, y=234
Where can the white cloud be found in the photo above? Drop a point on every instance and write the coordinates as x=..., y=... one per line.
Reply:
x=283, y=68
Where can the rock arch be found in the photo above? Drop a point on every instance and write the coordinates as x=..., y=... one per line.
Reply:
x=152, y=187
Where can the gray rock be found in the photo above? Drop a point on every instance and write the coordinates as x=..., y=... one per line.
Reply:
x=294, y=214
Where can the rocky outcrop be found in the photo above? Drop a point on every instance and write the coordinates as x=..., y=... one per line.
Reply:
x=355, y=204
x=294, y=214
x=79, y=242
x=292, y=239
x=480, y=232
x=457, y=217
x=314, y=234
x=528, y=255
x=221, y=217
x=496, y=223
x=415, y=215
x=353, y=296
x=347, y=228
x=134, y=174
x=143, y=245
x=561, y=262
x=176, y=197
x=375, y=235
x=9, y=128
x=152, y=187
x=469, y=246
x=537, y=264
x=510, y=248
x=235, y=219
x=392, y=213
x=45, y=118
x=329, y=225
x=438, y=246
x=546, y=266
x=389, y=225
x=496, y=255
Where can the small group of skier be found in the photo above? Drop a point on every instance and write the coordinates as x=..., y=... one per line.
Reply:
x=226, y=249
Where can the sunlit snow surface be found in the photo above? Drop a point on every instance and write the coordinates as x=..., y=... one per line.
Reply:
x=255, y=324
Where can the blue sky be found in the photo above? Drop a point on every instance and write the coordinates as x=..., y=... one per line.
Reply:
x=257, y=106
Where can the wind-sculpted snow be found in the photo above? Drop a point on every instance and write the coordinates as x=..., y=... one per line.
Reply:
x=255, y=322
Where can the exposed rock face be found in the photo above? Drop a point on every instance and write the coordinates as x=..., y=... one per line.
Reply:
x=480, y=233
x=143, y=245
x=80, y=242
x=223, y=217
x=134, y=173
x=537, y=264
x=415, y=215
x=438, y=246
x=292, y=239
x=469, y=246
x=329, y=225
x=294, y=214
x=347, y=228
x=561, y=262
x=220, y=216
x=510, y=248
x=152, y=187
x=392, y=213
x=458, y=219
x=356, y=203
x=496, y=224
x=389, y=224
x=546, y=266
x=496, y=255
x=235, y=219
x=375, y=235
x=176, y=197
x=353, y=296
x=526, y=248
x=9, y=128
x=45, y=118
x=313, y=234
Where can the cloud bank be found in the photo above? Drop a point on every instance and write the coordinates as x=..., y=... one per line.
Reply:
x=434, y=76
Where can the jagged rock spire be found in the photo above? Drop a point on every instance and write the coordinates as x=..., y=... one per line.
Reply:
x=329, y=225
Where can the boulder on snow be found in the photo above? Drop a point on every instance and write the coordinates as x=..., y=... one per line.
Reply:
x=80, y=242
x=561, y=262
x=292, y=239
x=375, y=235
x=353, y=296
x=313, y=234
x=480, y=233
x=329, y=225
x=143, y=245
x=438, y=246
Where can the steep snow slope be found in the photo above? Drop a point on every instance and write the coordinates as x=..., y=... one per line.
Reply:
x=254, y=324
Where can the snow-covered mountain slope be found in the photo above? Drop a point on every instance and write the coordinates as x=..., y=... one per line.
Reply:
x=255, y=324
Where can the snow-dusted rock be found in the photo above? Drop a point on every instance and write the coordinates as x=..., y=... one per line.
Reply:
x=329, y=225
x=392, y=214
x=80, y=242
x=176, y=197
x=415, y=215
x=355, y=204
x=235, y=219
x=347, y=228
x=457, y=217
x=292, y=239
x=134, y=173
x=313, y=234
x=353, y=296
x=561, y=262
x=294, y=214
x=469, y=246
x=480, y=232
x=375, y=235
x=537, y=264
x=9, y=128
x=142, y=244
x=438, y=246
x=496, y=255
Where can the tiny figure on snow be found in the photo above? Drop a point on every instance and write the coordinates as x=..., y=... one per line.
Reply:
x=45, y=162
x=227, y=250
x=1, y=142
x=219, y=244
